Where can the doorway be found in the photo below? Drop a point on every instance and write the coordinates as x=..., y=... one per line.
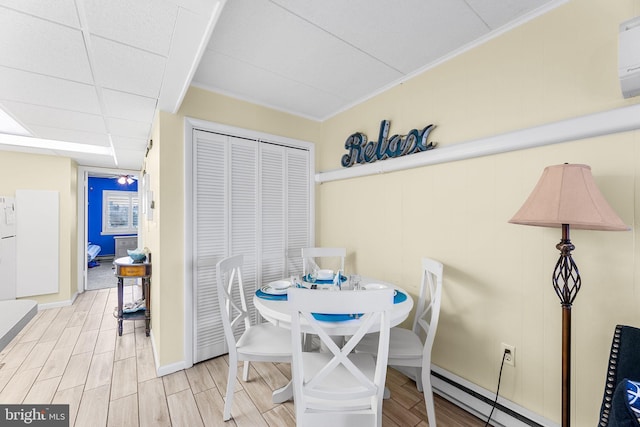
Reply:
x=107, y=212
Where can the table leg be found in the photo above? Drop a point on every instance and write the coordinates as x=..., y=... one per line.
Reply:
x=283, y=394
x=147, y=299
x=120, y=302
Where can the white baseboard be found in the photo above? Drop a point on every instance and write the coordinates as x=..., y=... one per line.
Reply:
x=478, y=401
x=64, y=303
x=166, y=369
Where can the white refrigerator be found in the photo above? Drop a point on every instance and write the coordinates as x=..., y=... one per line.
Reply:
x=8, y=259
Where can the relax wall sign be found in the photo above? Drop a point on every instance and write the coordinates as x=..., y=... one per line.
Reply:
x=361, y=151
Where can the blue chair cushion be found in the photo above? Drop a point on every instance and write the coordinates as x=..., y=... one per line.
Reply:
x=622, y=411
x=633, y=397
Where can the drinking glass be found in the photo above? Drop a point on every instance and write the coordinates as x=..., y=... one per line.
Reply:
x=295, y=281
x=354, y=282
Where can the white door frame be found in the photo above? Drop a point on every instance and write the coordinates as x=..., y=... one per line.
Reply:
x=82, y=192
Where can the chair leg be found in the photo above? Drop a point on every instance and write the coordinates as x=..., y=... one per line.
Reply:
x=307, y=342
x=428, y=397
x=386, y=394
x=231, y=382
x=245, y=371
x=419, y=384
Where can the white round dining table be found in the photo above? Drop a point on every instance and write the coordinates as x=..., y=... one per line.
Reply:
x=277, y=311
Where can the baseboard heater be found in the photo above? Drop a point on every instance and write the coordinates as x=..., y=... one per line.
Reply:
x=478, y=401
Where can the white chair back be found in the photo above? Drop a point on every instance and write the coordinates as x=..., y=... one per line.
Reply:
x=339, y=387
x=230, y=292
x=425, y=322
x=309, y=256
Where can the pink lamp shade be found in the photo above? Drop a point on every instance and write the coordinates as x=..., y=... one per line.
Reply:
x=568, y=194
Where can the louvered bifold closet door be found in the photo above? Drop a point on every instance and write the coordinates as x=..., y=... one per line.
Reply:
x=243, y=215
x=250, y=198
x=272, y=197
x=284, y=190
x=297, y=207
x=210, y=225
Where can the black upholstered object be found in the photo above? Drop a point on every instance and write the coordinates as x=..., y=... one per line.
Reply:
x=624, y=363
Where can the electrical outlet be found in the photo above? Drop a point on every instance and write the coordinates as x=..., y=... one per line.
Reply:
x=510, y=356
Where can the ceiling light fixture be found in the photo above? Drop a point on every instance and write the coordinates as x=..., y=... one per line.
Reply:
x=125, y=179
x=50, y=144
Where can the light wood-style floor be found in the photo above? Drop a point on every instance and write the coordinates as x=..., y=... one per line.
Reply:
x=73, y=355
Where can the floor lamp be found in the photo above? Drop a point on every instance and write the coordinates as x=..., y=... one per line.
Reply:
x=567, y=196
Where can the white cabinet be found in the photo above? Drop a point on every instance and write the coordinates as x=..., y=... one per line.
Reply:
x=37, y=242
x=122, y=243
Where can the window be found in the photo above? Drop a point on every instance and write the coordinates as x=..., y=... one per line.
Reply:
x=119, y=212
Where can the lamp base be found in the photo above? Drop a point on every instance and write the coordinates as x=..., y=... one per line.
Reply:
x=566, y=365
x=566, y=282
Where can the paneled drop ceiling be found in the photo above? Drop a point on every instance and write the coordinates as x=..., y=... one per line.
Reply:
x=93, y=72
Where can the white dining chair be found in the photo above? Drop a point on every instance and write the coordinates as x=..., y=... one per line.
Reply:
x=338, y=387
x=411, y=348
x=261, y=342
x=311, y=255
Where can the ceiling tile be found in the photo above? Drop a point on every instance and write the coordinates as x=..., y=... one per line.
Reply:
x=224, y=74
x=129, y=106
x=129, y=159
x=190, y=36
x=131, y=144
x=37, y=89
x=415, y=25
x=145, y=24
x=89, y=138
x=129, y=128
x=313, y=57
x=30, y=114
x=95, y=160
x=62, y=11
x=497, y=14
x=202, y=7
x=127, y=69
x=32, y=44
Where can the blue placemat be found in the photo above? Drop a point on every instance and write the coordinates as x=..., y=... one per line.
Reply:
x=306, y=278
x=264, y=295
x=399, y=297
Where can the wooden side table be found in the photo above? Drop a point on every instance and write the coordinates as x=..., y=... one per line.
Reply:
x=127, y=269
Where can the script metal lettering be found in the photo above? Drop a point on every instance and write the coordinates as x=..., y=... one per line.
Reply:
x=361, y=151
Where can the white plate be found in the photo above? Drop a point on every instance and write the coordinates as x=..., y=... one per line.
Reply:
x=325, y=274
x=377, y=286
x=280, y=284
x=374, y=286
x=269, y=290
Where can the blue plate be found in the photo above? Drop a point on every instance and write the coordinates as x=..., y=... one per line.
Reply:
x=264, y=295
x=306, y=278
x=332, y=317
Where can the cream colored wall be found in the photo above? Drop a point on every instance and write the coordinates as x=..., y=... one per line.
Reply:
x=497, y=275
x=164, y=236
x=21, y=171
x=497, y=284
x=149, y=234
